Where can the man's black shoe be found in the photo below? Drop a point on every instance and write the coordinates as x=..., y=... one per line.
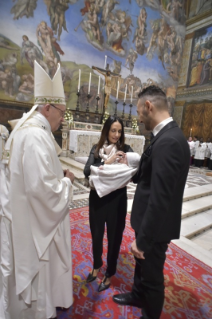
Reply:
x=127, y=299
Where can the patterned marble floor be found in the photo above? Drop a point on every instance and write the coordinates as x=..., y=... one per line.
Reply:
x=81, y=193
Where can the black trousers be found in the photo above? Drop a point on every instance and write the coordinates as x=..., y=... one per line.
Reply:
x=110, y=210
x=198, y=162
x=149, y=281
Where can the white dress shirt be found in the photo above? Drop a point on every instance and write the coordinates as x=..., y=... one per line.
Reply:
x=159, y=127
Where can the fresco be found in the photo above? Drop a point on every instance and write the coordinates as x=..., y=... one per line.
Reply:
x=200, y=73
x=198, y=7
x=139, y=41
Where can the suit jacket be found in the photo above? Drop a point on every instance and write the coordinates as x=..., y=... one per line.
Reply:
x=161, y=178
x=97, y=161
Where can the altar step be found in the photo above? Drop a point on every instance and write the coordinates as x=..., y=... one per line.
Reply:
x=196, y=215
x=75, y=167
x=195, y=250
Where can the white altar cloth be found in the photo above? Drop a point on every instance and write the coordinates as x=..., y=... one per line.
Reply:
x=81, y=142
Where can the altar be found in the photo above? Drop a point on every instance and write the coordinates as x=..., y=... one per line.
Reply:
x=81, y=142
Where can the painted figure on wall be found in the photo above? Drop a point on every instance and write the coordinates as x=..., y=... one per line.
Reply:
x=56, y=10
x=31, y=53
x=201, y=66
x=144, y=40
x=23, y=8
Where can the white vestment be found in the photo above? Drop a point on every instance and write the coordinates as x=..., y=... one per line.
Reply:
x=109, y=177
x=200, y=151
x=192, y=147
x=4, y=134
x=35, y=227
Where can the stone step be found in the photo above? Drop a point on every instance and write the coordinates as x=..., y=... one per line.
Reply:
x=196, y=224
x=194, y=250
x=197, y=192
x=78, y=174
x=204, y=240
x=75, y=167
x=71, y=162
x=196, y=201
x=196, y=206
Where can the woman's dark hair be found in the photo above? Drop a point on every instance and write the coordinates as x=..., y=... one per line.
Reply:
x=105, y=132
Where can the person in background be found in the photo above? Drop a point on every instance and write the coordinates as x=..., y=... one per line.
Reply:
x=110, y=209
x=199, y=156
x=191, y=146
x=207, y=153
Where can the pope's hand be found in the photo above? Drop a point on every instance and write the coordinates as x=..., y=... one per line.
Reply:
x=136, y=252
x=69, y=174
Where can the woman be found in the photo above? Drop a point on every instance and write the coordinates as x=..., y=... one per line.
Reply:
x=110, y=209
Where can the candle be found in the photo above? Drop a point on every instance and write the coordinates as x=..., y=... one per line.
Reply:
x=190, y=131
x=89, y=84
x=131, y=93
x=117, y=93
x=125, y=93
x=105, y=62
x=79, y=80
x=98, y=86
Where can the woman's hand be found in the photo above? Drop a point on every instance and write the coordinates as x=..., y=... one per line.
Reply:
x=115, y=158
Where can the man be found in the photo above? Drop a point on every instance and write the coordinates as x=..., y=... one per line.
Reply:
x=199, y=156
x=156, y=212
x=36, y=269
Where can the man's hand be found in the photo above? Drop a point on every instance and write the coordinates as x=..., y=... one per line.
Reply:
x=69, y=174
x=137, y=253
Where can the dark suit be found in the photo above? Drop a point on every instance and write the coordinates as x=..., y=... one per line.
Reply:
x=156, y=212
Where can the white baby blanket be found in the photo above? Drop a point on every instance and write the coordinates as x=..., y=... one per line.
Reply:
x=109, y=177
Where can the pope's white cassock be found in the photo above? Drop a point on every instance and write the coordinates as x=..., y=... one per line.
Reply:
x=36, y=267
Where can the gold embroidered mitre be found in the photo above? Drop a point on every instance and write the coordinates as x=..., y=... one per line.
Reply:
x=48, y=90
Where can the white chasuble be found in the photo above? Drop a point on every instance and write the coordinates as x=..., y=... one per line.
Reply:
x=38, y=200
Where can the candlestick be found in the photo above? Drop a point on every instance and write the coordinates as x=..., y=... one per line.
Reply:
x=78, y=95
x=79, y=80
x=97, y=104
x=125, y=93
x=77, y=113
x=130, y=111
x=116, y=102
x=89, y=84
x=87, y=115
x=105, y=62
x=98, y=86
x=87, y=108
x=123, y=113
x=117, y=93
x=131, y=93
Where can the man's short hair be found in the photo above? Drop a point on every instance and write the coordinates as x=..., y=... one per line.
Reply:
x=155, y=95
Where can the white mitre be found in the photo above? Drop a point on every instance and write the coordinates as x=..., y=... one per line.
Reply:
x=46, y=90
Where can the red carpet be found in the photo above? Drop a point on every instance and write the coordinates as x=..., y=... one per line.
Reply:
x=188, y=281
